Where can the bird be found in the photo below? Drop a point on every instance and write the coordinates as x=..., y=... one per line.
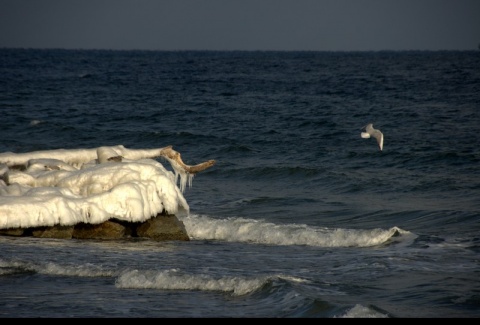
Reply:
x=371, y=132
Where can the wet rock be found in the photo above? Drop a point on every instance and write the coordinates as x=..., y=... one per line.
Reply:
x=62, y=232
x=105, y=230
x=160, y=228
x=12, y=232
x=163, y=227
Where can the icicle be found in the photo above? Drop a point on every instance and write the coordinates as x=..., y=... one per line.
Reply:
x=181, y=174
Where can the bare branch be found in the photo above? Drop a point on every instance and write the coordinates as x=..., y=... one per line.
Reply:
x=169, y=153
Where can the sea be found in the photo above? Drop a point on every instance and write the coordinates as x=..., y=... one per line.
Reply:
x=300, y=217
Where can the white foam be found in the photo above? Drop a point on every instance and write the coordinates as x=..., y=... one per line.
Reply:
x=262, y=232
x=176, y=280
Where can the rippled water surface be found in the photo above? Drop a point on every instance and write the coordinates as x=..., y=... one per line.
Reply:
x=300, y=216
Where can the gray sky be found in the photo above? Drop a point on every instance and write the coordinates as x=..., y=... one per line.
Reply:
x=323, y=25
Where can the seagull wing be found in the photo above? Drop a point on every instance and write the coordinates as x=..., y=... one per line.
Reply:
x=379, y=136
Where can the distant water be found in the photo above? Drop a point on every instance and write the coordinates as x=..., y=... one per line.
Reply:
x=300, y=217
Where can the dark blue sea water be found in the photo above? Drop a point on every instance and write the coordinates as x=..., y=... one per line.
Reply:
x=300, y=216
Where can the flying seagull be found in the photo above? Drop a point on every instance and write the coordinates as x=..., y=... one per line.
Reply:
x=371, y=132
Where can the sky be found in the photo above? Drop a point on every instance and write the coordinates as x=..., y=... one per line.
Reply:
x=249, y=25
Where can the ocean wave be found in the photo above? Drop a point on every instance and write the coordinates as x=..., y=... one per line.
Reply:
x=176, y=280
x=55, y=269
x=262, y=232
x=360, y=311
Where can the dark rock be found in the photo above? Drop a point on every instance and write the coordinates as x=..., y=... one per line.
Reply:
x=62, y=232
x=105, y=230
x=12, y=232
x=163, y=227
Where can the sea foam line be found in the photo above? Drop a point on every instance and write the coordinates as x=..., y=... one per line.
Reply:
x=262, y=232
x=175, y=280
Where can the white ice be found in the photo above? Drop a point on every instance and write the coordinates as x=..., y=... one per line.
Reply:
x=65, y=187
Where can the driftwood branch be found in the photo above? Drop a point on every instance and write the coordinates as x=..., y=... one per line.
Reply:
x=175, y=156
x=79, y=157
